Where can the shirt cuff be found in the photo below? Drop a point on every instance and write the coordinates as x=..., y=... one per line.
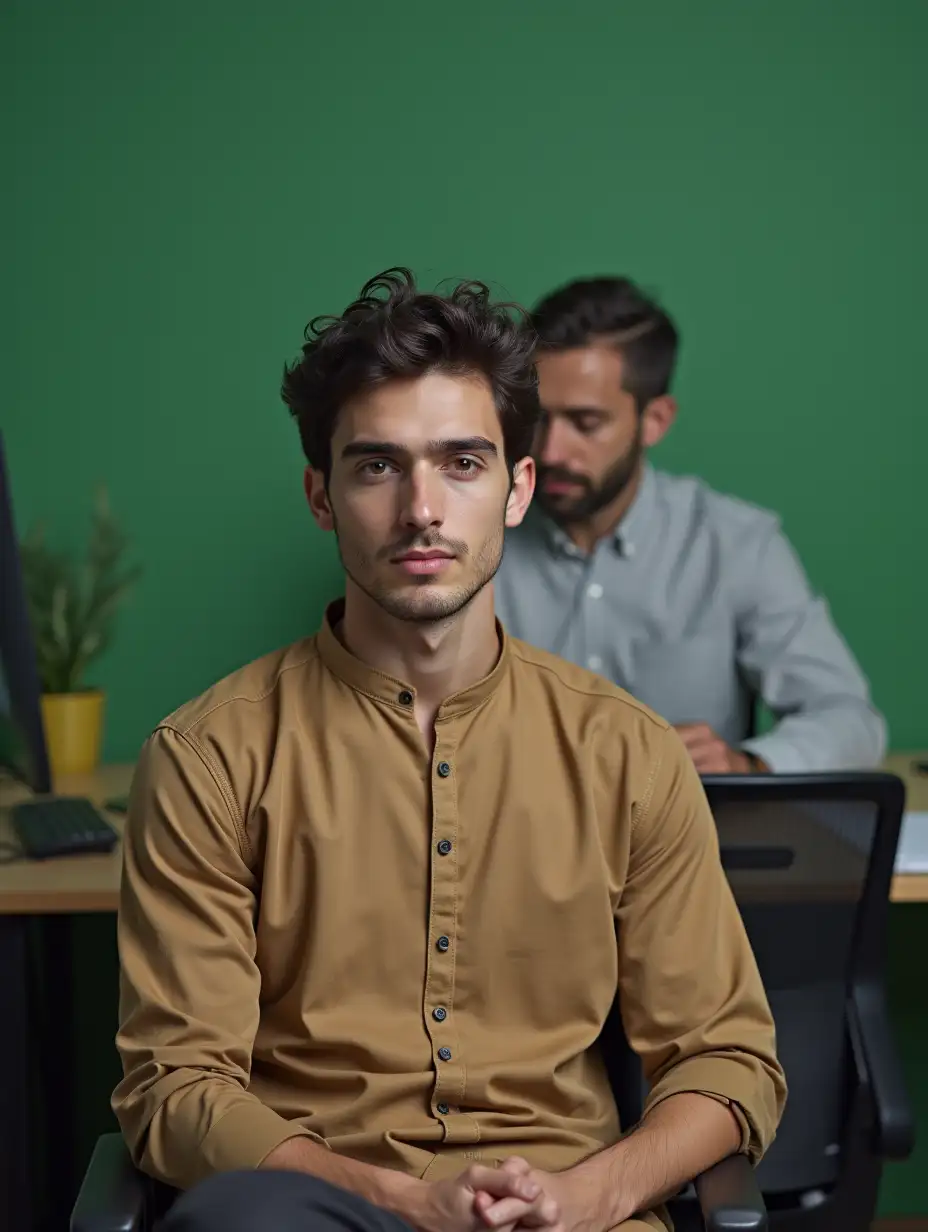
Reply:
x=244, y=1137
x=780, y=755
x=738, y=1113
x=726, y=1081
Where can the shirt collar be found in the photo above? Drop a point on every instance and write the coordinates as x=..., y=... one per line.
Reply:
x=629, y=535
x=390, y=689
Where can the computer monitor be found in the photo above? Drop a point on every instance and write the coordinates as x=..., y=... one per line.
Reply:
x=22, y=736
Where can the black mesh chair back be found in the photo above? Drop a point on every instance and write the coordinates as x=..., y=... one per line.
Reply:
x=810, y=861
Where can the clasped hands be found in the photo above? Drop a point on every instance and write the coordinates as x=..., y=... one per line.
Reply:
x=512, y=1196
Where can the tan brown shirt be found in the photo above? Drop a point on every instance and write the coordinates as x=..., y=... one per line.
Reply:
x=326, y=931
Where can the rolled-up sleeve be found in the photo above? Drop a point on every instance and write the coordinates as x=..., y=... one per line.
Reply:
x=693, y=1005
x=189, y=990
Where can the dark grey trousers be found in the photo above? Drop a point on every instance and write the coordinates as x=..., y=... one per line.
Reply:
x=275, y=1202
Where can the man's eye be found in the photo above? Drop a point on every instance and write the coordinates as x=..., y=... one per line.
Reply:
x=587, y=423
x=375, y=468
x=466, y=465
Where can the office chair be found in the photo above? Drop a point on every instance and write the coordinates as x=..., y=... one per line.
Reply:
x=810, y=861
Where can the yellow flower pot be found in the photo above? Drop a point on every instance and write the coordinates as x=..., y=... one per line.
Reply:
x=73, y=730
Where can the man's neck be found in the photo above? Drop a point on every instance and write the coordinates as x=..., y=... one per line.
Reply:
x=587, y=534
x=437, y=659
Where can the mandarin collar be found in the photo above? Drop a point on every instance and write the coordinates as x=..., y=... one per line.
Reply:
x=391, y=690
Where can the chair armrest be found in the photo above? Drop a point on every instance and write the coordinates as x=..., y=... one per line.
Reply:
x=113, y=1194
x=877, y=1057
x=729, y=1198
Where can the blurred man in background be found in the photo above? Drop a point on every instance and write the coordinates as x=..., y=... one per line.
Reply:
x=693, y=601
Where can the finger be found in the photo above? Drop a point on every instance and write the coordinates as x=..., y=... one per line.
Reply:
x=542, y=1213
x=516, y=1165
x=545, y=1213
x=713, y=754
x=502, y=1184
x=513, y=1210
x=483, y=1201
x=704, y=760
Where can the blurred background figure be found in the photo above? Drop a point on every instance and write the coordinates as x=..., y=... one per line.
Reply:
x=693, y=601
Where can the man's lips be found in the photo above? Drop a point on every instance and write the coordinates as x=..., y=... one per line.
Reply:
x=423, y=562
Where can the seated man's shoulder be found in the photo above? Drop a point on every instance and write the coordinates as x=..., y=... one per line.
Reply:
x=575, y=692
x=728, y=518
x=256, y=686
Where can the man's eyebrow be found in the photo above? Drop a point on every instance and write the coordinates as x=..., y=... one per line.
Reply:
x=390, y=449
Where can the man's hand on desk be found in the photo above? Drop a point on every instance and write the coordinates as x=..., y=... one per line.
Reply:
x=711, y=755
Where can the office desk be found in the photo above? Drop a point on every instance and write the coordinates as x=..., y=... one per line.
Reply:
x=910, y=887
x=55, y=890
x=37, y=900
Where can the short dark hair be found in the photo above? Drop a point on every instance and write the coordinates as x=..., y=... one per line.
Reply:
x=616, y=311
x=395, y=331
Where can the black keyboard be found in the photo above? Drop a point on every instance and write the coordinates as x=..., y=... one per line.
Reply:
x=60, y=826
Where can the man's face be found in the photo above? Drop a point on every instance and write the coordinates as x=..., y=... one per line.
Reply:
x=591, y=441
x=419, y=493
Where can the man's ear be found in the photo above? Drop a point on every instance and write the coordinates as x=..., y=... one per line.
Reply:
x=657, y=418
x=317, y=496
x=520, y=492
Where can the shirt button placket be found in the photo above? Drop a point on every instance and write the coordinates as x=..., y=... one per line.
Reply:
x=595, y=613
x=438, y=1007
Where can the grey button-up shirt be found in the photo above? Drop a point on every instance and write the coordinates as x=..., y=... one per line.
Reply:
x=698, y=605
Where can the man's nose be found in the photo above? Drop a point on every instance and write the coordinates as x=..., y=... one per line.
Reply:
x=423, y=499
x=553, y=446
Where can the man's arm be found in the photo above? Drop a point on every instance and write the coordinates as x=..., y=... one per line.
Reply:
x=681, y=1137
x=793, y=655
x=693, y=1008
x=189, y=996
x=692, y=1002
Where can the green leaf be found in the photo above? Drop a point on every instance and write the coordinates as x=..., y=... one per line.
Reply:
x=73, y=605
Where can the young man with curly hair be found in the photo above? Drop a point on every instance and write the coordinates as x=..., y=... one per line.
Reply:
x=382, y=887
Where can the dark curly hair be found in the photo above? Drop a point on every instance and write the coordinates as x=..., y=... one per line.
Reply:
x=393, y=330
x=616, y=311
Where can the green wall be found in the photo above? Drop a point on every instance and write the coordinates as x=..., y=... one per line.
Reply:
x=190, y=182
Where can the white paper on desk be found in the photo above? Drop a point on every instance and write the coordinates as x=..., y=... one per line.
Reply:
x=912, y=852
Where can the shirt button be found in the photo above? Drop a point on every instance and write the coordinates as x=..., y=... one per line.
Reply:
x=443, y=1109
x=628, y=549
x=406, y=698
x=439, y=1013
x=444, y=847
x=444, y=944
x=594, y=663
x=594, y=590
x=444, y=1054
x=443, y=769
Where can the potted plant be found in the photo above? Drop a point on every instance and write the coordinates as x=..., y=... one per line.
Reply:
x=72, y=609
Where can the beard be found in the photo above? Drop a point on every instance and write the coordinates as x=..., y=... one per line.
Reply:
x=591, y=497
x=425, y=600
